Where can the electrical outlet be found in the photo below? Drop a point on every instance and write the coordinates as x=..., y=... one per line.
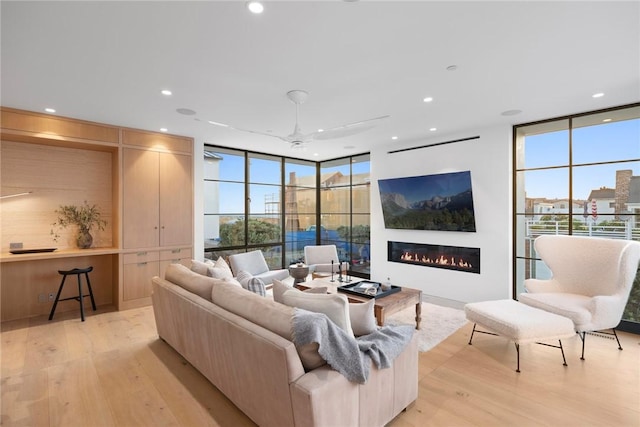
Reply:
x=42, y=298
x=52, y=296
x=16, y=245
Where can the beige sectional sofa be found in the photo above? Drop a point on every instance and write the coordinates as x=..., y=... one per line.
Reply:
x=241, y=342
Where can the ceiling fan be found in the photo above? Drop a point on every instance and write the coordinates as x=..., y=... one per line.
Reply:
x=297, y=139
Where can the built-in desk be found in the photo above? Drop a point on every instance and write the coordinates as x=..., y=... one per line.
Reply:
x=25, y=278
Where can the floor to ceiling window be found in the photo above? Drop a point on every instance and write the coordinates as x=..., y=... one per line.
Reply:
x=577, y=175
x=259, y=201
x=345, y=209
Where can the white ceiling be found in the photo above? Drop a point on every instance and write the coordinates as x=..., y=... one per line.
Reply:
x=108, y=61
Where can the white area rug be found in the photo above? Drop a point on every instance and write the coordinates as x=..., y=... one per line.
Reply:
x=437, y=324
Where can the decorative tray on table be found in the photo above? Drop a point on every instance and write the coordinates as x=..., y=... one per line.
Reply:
x=366, y=288
x=31, y=251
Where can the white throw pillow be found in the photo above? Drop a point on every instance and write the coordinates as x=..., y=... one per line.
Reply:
x=363, y=319
x=280, y=288
x=219, y=269
x=335, y=306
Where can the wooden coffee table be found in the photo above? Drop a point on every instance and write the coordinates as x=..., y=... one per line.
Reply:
x=384, y=306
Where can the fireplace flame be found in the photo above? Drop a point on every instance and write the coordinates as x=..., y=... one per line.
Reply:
x=440, y=260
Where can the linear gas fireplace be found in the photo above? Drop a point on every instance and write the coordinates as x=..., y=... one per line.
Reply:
x=438, y=256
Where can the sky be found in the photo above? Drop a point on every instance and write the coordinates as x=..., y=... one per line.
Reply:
x=616, y=142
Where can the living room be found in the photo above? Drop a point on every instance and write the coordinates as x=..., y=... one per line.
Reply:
x=227, y=65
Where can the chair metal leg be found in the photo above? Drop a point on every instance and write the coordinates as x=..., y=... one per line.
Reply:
x=583, y=336
x=518, y=356
x=472, y=332
x=616, y=335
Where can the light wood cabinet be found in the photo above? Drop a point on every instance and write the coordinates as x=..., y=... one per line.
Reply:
x=157, y=199
x=142, y=180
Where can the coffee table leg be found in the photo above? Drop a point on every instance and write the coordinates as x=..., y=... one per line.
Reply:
x=418, y=314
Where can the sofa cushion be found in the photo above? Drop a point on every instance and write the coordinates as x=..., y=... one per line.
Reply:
x=335, y=306
x=280, y=288
x=191, y=281
x=362, y=317
x=277, y=318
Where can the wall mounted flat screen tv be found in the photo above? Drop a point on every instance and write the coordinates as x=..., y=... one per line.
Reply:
x=428, y=202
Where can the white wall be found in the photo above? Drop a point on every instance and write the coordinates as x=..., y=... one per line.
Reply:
x=198, y=200
x=489, y=160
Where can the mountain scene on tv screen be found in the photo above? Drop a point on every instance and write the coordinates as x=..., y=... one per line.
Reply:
x=431, y=202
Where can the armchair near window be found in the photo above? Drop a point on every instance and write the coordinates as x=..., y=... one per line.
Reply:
x=319, y=258
x=254, y=263
x=591, y=280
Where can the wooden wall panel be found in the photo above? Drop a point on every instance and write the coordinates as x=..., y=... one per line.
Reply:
x=42, y=125
x=56, y=176
x=160, y=142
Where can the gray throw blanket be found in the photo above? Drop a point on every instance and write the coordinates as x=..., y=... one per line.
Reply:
x=348, y=355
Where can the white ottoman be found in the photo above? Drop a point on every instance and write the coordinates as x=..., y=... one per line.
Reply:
x=520, y=323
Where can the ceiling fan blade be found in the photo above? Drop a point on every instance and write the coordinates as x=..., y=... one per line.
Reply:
x=347, y=130
x=247, y=130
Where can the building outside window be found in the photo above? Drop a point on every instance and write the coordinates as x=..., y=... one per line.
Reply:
x=271, y=203
x=577, y=175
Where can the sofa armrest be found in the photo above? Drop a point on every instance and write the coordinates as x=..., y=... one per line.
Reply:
x=535, y=286
x=324, y=397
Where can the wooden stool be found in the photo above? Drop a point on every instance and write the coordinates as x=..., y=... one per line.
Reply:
x=77, y=272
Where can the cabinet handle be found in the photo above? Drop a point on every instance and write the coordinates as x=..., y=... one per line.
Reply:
x=175, y=261
x=140, y=264
x=162, y=227
x=155, y=228
x=141, y=253
x=176, y=251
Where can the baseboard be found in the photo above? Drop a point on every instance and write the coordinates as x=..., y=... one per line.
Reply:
x=445, y=302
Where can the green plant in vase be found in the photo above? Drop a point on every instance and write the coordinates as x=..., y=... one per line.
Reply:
x=85, y=217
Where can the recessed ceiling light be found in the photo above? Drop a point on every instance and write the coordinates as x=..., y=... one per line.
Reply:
x=452, y=67
x=511, y=112
x=320, y=130
x=606, y=120
x=255, y=7
x=598, y=95
x=166, y=92
x=433, y=129
x=427, y=99
x=164, y=130
x=315, y=154
x=186, y=111
x=49, y=110
x=394, y=137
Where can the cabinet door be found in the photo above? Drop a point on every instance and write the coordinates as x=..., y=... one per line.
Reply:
x=140, y=198
x=176, y=200
x=137, y=279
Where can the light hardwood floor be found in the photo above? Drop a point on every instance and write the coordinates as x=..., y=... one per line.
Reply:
x=113, y=370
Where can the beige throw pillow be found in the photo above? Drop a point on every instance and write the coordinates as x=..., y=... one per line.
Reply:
x=219, y=269
x=199, y=267
x=335, y=306
x=363, y=319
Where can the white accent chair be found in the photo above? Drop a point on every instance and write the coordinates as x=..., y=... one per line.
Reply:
x=319, y=258
x=591, y=280
x=254, y=263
